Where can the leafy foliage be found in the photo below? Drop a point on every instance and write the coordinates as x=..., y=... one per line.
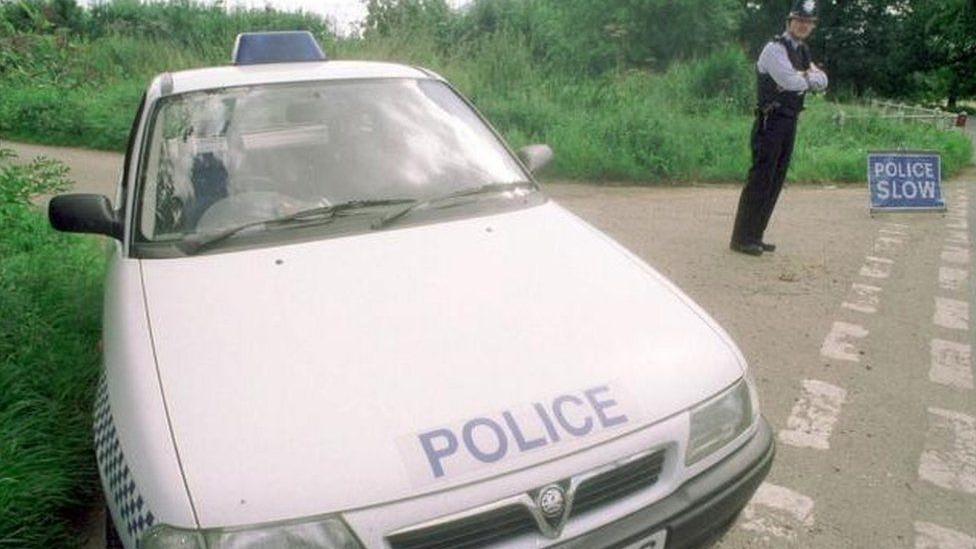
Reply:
x=430, y=17
x=19, y=183
x=922, y=50
x=941, y=52
x=597, y=36
x=640, y=90
x=572, y=35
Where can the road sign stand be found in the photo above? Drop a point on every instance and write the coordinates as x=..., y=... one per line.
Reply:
x=941, y=209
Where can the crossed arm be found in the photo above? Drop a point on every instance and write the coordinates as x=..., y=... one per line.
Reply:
x=775, y=62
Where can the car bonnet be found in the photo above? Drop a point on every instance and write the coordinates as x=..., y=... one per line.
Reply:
x=346, y=372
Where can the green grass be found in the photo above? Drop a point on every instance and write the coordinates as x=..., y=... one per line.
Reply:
x=50, y=298
x=828, y=152
x=689, y=123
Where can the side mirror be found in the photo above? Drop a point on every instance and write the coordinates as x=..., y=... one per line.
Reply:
x=535, y=157
x=84, y=213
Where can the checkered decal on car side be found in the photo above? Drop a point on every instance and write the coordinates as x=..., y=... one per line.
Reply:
x=133, y=515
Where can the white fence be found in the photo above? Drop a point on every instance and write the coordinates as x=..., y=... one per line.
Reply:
x=907, y=113
x=938, y=118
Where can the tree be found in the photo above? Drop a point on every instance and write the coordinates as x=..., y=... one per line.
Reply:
x=855, y=43
x=915, y=49
x=761, y=20
x=940, y=49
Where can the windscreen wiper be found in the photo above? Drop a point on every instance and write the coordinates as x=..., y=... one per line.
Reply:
x=197, y=242
x=483, y=189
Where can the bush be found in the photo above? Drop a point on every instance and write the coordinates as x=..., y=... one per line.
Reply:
x=828, y=152
x=725, y=79
x=638, y=90
x=19, y=183
x=50, y=297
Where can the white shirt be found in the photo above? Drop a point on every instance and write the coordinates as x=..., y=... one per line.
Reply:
x=775, y=61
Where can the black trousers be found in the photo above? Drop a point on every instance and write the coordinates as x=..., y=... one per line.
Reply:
x=773, y=137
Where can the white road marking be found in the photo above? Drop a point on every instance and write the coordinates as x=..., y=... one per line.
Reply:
x=814, y=415
x=951, y=278
x=951, y=364
x=949, y=459
x=778, y=512
x=863, y=298
x=955, y=254
x=892, y=232
x=837, y=345
x=887, y=244
x=933, y=536
x=951, y=313
x=876, y=267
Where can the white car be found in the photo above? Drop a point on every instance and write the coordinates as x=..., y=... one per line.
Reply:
x=340, y=313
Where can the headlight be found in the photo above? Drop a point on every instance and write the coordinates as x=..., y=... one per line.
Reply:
x=329, y=533
x=719, y=421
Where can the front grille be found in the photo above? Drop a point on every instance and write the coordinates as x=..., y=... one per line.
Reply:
x=477, y=531
x=618, y=483
x=518, y=515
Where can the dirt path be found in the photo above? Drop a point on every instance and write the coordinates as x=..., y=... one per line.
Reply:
x=857, y=329
x=92, y=171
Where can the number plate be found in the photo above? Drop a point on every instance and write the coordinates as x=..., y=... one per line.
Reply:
x=654, y=541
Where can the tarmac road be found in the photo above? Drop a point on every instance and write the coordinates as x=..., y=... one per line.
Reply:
x=858, y=329
x=859, y=332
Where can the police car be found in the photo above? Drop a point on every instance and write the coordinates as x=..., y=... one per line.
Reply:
x=341, y=313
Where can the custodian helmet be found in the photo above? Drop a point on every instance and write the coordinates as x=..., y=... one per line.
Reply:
x=804, y=9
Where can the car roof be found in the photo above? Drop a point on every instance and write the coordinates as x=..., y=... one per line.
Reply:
x=276, y=73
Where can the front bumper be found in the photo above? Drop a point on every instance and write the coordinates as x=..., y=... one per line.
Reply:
x=702, y=508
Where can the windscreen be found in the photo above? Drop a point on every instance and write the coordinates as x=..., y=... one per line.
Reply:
x=222, y=158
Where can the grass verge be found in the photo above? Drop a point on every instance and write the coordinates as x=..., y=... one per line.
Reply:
x=50, y=298
x=690, y=122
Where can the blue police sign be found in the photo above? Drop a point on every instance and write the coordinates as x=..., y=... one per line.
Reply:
x=905, y=181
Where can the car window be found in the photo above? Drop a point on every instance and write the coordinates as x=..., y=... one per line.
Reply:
x=223, y=158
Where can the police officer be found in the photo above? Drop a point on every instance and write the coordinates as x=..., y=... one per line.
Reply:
x=786, y=73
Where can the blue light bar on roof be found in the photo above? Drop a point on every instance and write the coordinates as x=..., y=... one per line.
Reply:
x=252, y=48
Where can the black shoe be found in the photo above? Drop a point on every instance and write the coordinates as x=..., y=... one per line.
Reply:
x=768, y=247
x=744, y=248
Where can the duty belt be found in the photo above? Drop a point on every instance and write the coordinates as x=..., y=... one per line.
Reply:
x=771, y=107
